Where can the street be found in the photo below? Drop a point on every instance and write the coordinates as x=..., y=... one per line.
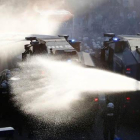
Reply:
x=43, y=132
x=69, y=69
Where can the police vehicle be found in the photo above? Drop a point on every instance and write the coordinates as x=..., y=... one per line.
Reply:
x=122, y=55
x=56, y=46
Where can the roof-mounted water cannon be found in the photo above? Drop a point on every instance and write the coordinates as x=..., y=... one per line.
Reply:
x=109, y=35
x=28, y=50
x=36, y=46
x=31, y=38
x=112, y=37
x=35, y=40
x=108, y=38
x=65, y=36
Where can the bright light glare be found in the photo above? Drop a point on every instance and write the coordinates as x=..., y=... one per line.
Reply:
x=73, y=40
x=115, y=39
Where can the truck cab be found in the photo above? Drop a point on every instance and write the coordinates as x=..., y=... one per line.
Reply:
x=122, y=53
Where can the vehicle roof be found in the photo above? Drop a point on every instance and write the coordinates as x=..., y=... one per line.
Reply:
x=58, y=44
x=129, y=36
x=134, y=40
x=54, y=39
x=46, y=37
x=54, y=42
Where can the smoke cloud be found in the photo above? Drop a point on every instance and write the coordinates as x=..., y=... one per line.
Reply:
x=23, y=16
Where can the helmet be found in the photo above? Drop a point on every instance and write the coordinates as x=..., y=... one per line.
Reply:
x=110, y=105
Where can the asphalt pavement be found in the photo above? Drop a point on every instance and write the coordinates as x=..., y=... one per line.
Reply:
x=126, y=132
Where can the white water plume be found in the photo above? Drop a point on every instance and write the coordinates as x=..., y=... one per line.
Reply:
x=50, y=89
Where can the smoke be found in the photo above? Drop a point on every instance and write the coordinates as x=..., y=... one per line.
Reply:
x=53, y=91
x=23, y=16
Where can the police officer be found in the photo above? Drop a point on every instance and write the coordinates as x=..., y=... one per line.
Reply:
x=109, y=122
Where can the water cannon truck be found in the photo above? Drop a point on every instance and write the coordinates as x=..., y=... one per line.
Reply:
x=121, y=53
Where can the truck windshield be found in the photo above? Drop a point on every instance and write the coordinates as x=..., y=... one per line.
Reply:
x=120, y=46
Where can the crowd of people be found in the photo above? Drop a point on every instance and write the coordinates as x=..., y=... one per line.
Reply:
x=117, y=16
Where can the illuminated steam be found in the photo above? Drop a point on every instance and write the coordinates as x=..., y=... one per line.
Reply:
x=28, y=16
x=49, y=89
x=23, y=17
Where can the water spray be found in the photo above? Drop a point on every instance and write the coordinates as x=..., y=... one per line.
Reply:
x=48, y=89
